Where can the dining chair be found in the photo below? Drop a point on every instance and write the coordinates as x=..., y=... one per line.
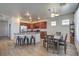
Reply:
x=58, y=33
x=50, y=42
x=63, y=43
x=44, y=41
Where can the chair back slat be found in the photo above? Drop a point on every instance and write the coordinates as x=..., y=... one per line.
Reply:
x=65, y=38
x=58, y=33
x=49, y=37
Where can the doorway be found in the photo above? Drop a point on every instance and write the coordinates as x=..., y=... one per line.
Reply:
x=4, y=28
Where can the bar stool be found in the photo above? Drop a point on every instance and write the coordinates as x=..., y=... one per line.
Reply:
x=32, y=40
x=26, y=38
x=18, y=40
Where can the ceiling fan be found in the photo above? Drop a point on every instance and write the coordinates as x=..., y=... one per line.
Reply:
x=53, y=12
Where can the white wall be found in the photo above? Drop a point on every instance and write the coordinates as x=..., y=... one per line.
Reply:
x=59, y=27
x=14, y=26
x=76, y=19
x=4, y=26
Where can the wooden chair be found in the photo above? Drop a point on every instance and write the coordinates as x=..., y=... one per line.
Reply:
x=63, y=43
x=44, y=41
x=58, y=33
x=50, y=42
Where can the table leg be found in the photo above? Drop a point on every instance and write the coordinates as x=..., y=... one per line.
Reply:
x=58, y=47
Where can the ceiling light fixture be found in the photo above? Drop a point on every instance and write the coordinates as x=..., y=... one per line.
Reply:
x=27, y=14
x=54, y=12
x=57, y=14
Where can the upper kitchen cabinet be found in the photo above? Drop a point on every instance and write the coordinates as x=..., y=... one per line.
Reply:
x=43, y=25
x=38, y=25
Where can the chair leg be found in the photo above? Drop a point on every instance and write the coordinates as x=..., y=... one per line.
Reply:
x=58, y=48
x=47, y=47
x=20, y=42
x=53, y=48
x=27, y=41
x=43, y=43
x=65, y=48
x=34, y=41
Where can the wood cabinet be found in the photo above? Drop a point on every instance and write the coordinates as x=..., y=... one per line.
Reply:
x=35, y=25
x=40, y=25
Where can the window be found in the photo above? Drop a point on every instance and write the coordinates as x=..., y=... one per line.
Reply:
x=53, y=23
x=65, y=22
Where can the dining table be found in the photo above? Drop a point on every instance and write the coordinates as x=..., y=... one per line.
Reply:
x=56, y=40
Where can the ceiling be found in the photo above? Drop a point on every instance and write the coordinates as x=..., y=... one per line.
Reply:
x=36, y=9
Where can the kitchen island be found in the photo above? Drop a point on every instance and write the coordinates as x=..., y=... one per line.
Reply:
x=29, y=35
